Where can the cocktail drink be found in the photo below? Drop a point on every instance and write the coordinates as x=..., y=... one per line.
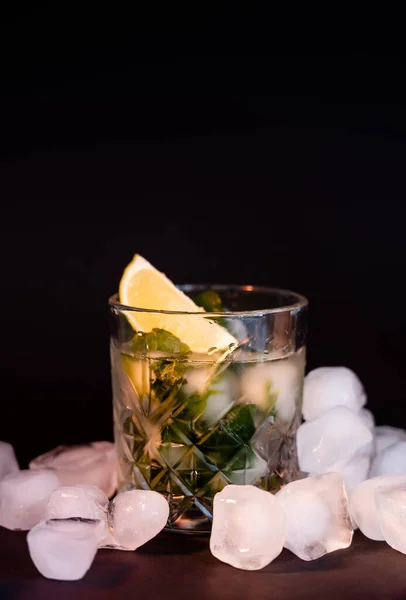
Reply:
x=207, y=386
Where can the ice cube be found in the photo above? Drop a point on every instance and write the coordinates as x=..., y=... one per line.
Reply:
x=87, y=502
x=64, y=548
x=368, y=418
x=24, y=496
x=353, y=470
x=386, y=436
x=197, y=381
x=337, y=435
x=317, y=514
x=137, y=516
x=274, y=385
x=391, y=505
x=249, y=527
x=363, y=509
x=108, y=542
x=8, y=461
x=328, y=387
x=88, y=464
x=391, y=461
x=220, y=398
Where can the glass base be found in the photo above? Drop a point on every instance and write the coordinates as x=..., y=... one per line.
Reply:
x=191, y=532
x=190, y=522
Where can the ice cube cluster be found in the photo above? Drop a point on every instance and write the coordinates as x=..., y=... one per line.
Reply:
x=339, y=435
x=61, y=501
x=310, y=517
x=78, y=520
x=353, y=476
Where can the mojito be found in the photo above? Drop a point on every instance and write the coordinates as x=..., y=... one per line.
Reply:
x=191, y=414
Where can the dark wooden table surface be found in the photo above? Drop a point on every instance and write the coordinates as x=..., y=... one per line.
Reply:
x=173, y=566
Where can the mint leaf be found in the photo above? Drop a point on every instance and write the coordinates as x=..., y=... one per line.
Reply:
x=159, y=340
x=210, y=301
x=220, y=445
x=194, y=407
x=168, y=378
x=168, y=372
x=240, y=421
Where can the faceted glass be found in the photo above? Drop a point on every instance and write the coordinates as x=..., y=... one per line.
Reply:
x=188, y=423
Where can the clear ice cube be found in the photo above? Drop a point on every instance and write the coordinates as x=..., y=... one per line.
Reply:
x=317, y=514
x=391, y=461
x=64, y=548
x=135, y=517
x=8, y=461
x=363, y=509
x=88, y=464
x=334, y=436
x=328, y=387
x=249, y=527
x=24, y=496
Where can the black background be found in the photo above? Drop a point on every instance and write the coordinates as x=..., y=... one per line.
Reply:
x=223, y=147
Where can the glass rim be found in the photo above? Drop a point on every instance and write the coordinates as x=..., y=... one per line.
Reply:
x=300, y=302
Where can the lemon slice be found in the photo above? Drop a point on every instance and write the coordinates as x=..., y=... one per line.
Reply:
x=143, y=286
